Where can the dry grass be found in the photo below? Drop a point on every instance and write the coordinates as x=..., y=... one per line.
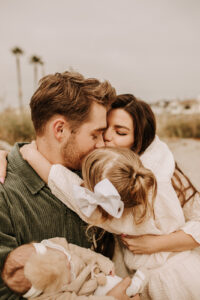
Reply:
x=182, y=126
x=16, y=127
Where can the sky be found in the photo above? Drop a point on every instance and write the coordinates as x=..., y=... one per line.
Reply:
x=150, y=48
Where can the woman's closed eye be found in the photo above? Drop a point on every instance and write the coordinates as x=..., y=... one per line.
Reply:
x=121, y=133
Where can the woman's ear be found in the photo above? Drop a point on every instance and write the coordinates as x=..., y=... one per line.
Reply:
x=61, y=129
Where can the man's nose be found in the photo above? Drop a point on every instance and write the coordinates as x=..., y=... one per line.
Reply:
x=100, y=143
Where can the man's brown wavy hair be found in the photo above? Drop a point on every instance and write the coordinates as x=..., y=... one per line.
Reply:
x=69, y=94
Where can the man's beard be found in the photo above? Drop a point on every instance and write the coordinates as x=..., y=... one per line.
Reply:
x=71, y=154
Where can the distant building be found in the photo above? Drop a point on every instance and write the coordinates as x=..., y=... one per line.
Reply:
x=176, y=106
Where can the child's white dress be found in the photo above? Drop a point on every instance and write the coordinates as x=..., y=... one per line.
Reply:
x=172, y=275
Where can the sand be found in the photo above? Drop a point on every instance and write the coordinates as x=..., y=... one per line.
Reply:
x=187, y=155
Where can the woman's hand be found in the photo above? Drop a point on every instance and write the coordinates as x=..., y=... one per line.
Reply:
x=27, y=151
x=147, y=244
x=143, y=244
x=3, y=165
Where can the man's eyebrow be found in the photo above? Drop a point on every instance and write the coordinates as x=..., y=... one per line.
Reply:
x=99, y=129
x=123, y=127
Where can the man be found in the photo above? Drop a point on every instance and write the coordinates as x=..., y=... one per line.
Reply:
x=69, y=116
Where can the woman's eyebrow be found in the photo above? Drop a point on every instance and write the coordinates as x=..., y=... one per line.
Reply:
x=120, y=126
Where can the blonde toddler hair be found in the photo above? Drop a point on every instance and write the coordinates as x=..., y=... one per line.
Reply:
x=136, y=185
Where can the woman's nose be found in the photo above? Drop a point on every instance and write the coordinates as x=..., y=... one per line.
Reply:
x=107, y=135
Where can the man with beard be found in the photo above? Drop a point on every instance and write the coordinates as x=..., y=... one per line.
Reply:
x=69, y=117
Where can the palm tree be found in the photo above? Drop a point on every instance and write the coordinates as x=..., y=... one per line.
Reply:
x=42, y=67
x=35, y=60
x=17, y=52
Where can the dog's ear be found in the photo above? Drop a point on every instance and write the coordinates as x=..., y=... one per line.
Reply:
x=47, y=272
x=13, y=271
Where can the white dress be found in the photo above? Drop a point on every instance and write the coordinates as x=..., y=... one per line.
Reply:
x=172, y=275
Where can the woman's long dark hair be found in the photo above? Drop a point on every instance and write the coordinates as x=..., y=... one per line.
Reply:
x=144, y=123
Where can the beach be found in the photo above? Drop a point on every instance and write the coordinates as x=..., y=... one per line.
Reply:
x=187, y=155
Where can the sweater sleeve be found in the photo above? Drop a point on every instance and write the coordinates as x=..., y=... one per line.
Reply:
x=60, y=182
x=7, y=244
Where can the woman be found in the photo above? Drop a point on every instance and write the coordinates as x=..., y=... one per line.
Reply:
x=132, y=124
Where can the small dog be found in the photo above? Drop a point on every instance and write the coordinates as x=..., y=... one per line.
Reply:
x=56, y=266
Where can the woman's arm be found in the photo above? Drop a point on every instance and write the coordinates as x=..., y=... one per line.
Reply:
x=36, y=160
x=149, y=244
x=186, y=238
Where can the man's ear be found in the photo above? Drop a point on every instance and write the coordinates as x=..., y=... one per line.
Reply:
x=61, y=129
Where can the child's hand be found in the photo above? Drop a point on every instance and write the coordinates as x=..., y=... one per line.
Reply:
x=36, y=160
x=28, y=151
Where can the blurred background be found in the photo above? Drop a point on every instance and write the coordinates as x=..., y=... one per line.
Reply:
x=150, y=48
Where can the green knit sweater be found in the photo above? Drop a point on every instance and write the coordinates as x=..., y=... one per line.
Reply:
x=30, y=212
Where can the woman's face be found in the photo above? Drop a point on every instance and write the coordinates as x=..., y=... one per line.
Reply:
x=120, y=131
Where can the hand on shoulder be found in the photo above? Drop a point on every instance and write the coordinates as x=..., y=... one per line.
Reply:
x=28, y=151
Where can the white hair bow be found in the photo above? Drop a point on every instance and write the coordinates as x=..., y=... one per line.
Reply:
x=104, y=195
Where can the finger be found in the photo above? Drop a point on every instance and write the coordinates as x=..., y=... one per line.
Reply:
x=129, y=244
x=126, y=245
x=125, y=240
x=128, y=241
